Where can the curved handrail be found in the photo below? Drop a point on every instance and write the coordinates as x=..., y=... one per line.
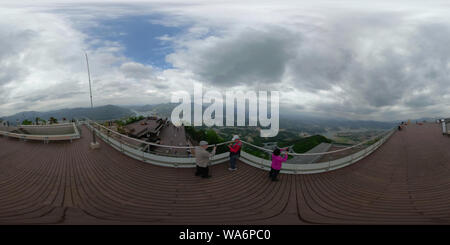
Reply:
x=244, y=142
x=151, y=143
x=327, y=152
x=73, y=136
x=188, y=162
x=46, y=125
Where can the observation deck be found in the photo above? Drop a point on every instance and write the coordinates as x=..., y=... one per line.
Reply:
x=404, y=179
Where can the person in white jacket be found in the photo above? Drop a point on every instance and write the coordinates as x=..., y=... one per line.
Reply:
x=202, y=159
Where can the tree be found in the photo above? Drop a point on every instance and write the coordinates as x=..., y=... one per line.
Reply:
x=53, y=120
x=27, y=122
x=119, y=123
x=212, y=137
x=120, y=129
x=37, y=120
x=208, y=135
x=134, y=119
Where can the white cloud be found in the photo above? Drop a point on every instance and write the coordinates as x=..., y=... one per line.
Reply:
x=43, y=67
x=356, y=59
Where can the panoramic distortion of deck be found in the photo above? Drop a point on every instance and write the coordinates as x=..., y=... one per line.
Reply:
x=405, y=180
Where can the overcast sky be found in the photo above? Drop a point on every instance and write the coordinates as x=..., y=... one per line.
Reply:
x=364, y=60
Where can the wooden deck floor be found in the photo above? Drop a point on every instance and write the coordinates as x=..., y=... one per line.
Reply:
x=406, y=181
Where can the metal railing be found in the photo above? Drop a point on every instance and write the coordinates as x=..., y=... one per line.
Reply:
x=352, y=154
x=140, y=150
x=44, y=138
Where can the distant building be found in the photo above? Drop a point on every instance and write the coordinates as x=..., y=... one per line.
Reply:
x=304, y=134
x=344, y=134
x=148, y=128
x=270, y=145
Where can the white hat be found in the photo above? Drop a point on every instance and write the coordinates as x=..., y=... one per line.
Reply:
x=235, y=137
x=202, y=143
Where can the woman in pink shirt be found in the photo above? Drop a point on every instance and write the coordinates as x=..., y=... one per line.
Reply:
x=277, y=160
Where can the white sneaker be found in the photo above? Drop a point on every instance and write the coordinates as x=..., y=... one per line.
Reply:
x=232, y=169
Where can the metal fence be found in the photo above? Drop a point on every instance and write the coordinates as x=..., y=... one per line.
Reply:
x=45, y=138
x=142, y=150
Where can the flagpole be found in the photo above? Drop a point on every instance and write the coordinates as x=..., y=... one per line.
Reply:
x=90, y=92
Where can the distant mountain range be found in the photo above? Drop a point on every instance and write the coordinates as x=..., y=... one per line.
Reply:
x=111, y=112
x=106, y=112
x=162, y=110
x=287, y=120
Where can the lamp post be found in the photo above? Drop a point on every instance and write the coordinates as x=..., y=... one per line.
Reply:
x=94, y=143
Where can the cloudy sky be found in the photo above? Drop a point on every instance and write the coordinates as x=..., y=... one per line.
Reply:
x=368, y=60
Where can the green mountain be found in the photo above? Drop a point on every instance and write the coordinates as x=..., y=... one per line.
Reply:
x=107, y=112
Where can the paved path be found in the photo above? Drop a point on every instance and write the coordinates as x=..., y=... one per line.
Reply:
x=322, y=147
x=406, y=181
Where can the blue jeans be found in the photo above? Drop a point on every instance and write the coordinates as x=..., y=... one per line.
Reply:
x=233, y=159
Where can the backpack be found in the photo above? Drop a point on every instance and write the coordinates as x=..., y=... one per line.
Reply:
x=238, y=153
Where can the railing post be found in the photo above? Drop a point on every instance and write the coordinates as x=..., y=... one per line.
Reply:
x=121, y=144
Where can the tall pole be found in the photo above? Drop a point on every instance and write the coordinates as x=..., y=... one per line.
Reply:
x=90, y=92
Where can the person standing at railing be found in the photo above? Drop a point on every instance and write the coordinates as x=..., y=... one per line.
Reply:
x=235, y=152
x=202, y=159
x=277, y=161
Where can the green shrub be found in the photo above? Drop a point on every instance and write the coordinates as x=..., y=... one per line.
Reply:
x=27, y=122
x=133, y=119
x=208, y=135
